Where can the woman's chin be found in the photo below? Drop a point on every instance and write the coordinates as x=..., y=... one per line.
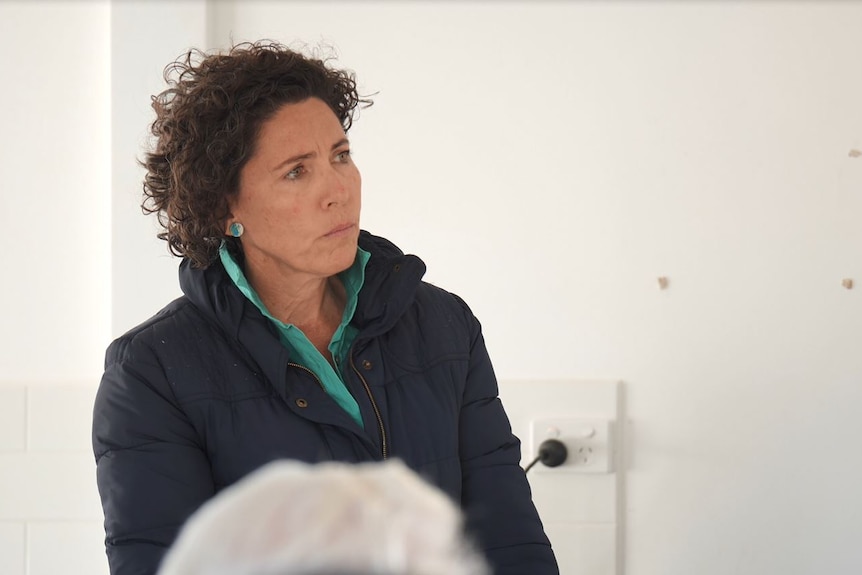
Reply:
x=342, y=258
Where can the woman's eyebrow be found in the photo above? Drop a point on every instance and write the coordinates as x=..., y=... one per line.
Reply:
x=292, y=159
x=307, y=155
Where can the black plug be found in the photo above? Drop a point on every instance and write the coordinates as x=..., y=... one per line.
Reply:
x=552, y=452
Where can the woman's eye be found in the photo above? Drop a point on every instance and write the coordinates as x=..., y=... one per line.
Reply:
x=294, y=173
x=343, y=157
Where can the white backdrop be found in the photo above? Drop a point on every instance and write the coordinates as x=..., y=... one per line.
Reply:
x=548, y=160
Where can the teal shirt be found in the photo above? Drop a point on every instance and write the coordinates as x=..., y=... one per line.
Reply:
x=296, y=341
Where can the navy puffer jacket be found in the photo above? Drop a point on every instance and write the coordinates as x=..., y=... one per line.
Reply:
x=204, y=393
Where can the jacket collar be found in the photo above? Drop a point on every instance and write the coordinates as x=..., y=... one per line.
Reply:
x=391, y=279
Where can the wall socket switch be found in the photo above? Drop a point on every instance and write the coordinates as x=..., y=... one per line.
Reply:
x=589, y=441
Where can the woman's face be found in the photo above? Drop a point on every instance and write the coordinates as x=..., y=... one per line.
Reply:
x=299, y=195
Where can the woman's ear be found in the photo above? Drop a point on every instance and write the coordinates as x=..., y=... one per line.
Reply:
x=229, y=219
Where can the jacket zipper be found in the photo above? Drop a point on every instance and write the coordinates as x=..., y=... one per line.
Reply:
x=367, y=390
x=309, y=372
x=376, y=410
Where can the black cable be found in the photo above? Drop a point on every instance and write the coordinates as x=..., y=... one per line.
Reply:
x=532, y=463
x=552, y=452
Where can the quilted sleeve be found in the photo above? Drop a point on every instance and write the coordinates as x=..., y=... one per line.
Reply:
x=495, y=494
x=151, y=471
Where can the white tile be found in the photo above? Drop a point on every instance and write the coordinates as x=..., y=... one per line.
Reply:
x=584, y=549
x=565, y=497
x=60, y=417
x=12, y=548
x=574, y=498
x=49, y=486
x=13, y=418
x=73, y=548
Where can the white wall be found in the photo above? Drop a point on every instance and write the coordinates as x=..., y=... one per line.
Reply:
x=549, y=161
x=145, y=37
x=55, y=204
x=55, y=201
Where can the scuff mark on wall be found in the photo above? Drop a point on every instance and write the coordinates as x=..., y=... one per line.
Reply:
x=855, y=153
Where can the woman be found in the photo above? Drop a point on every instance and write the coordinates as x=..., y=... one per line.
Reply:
x=298, y=336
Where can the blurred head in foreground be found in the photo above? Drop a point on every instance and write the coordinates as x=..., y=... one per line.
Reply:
x=291, y=518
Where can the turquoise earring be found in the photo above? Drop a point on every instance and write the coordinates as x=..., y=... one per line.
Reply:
x=236, y=229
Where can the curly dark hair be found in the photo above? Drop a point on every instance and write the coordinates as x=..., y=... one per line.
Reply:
x=207, y=124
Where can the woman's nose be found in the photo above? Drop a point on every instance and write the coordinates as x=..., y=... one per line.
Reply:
x=337, y=187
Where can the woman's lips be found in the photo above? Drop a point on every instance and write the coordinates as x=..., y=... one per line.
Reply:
x=339, y=230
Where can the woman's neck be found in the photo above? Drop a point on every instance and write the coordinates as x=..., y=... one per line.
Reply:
x=311, y=303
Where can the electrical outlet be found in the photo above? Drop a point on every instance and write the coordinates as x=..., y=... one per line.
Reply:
x=589, y=442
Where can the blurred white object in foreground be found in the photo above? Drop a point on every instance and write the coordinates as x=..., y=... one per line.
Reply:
x=291, y=518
